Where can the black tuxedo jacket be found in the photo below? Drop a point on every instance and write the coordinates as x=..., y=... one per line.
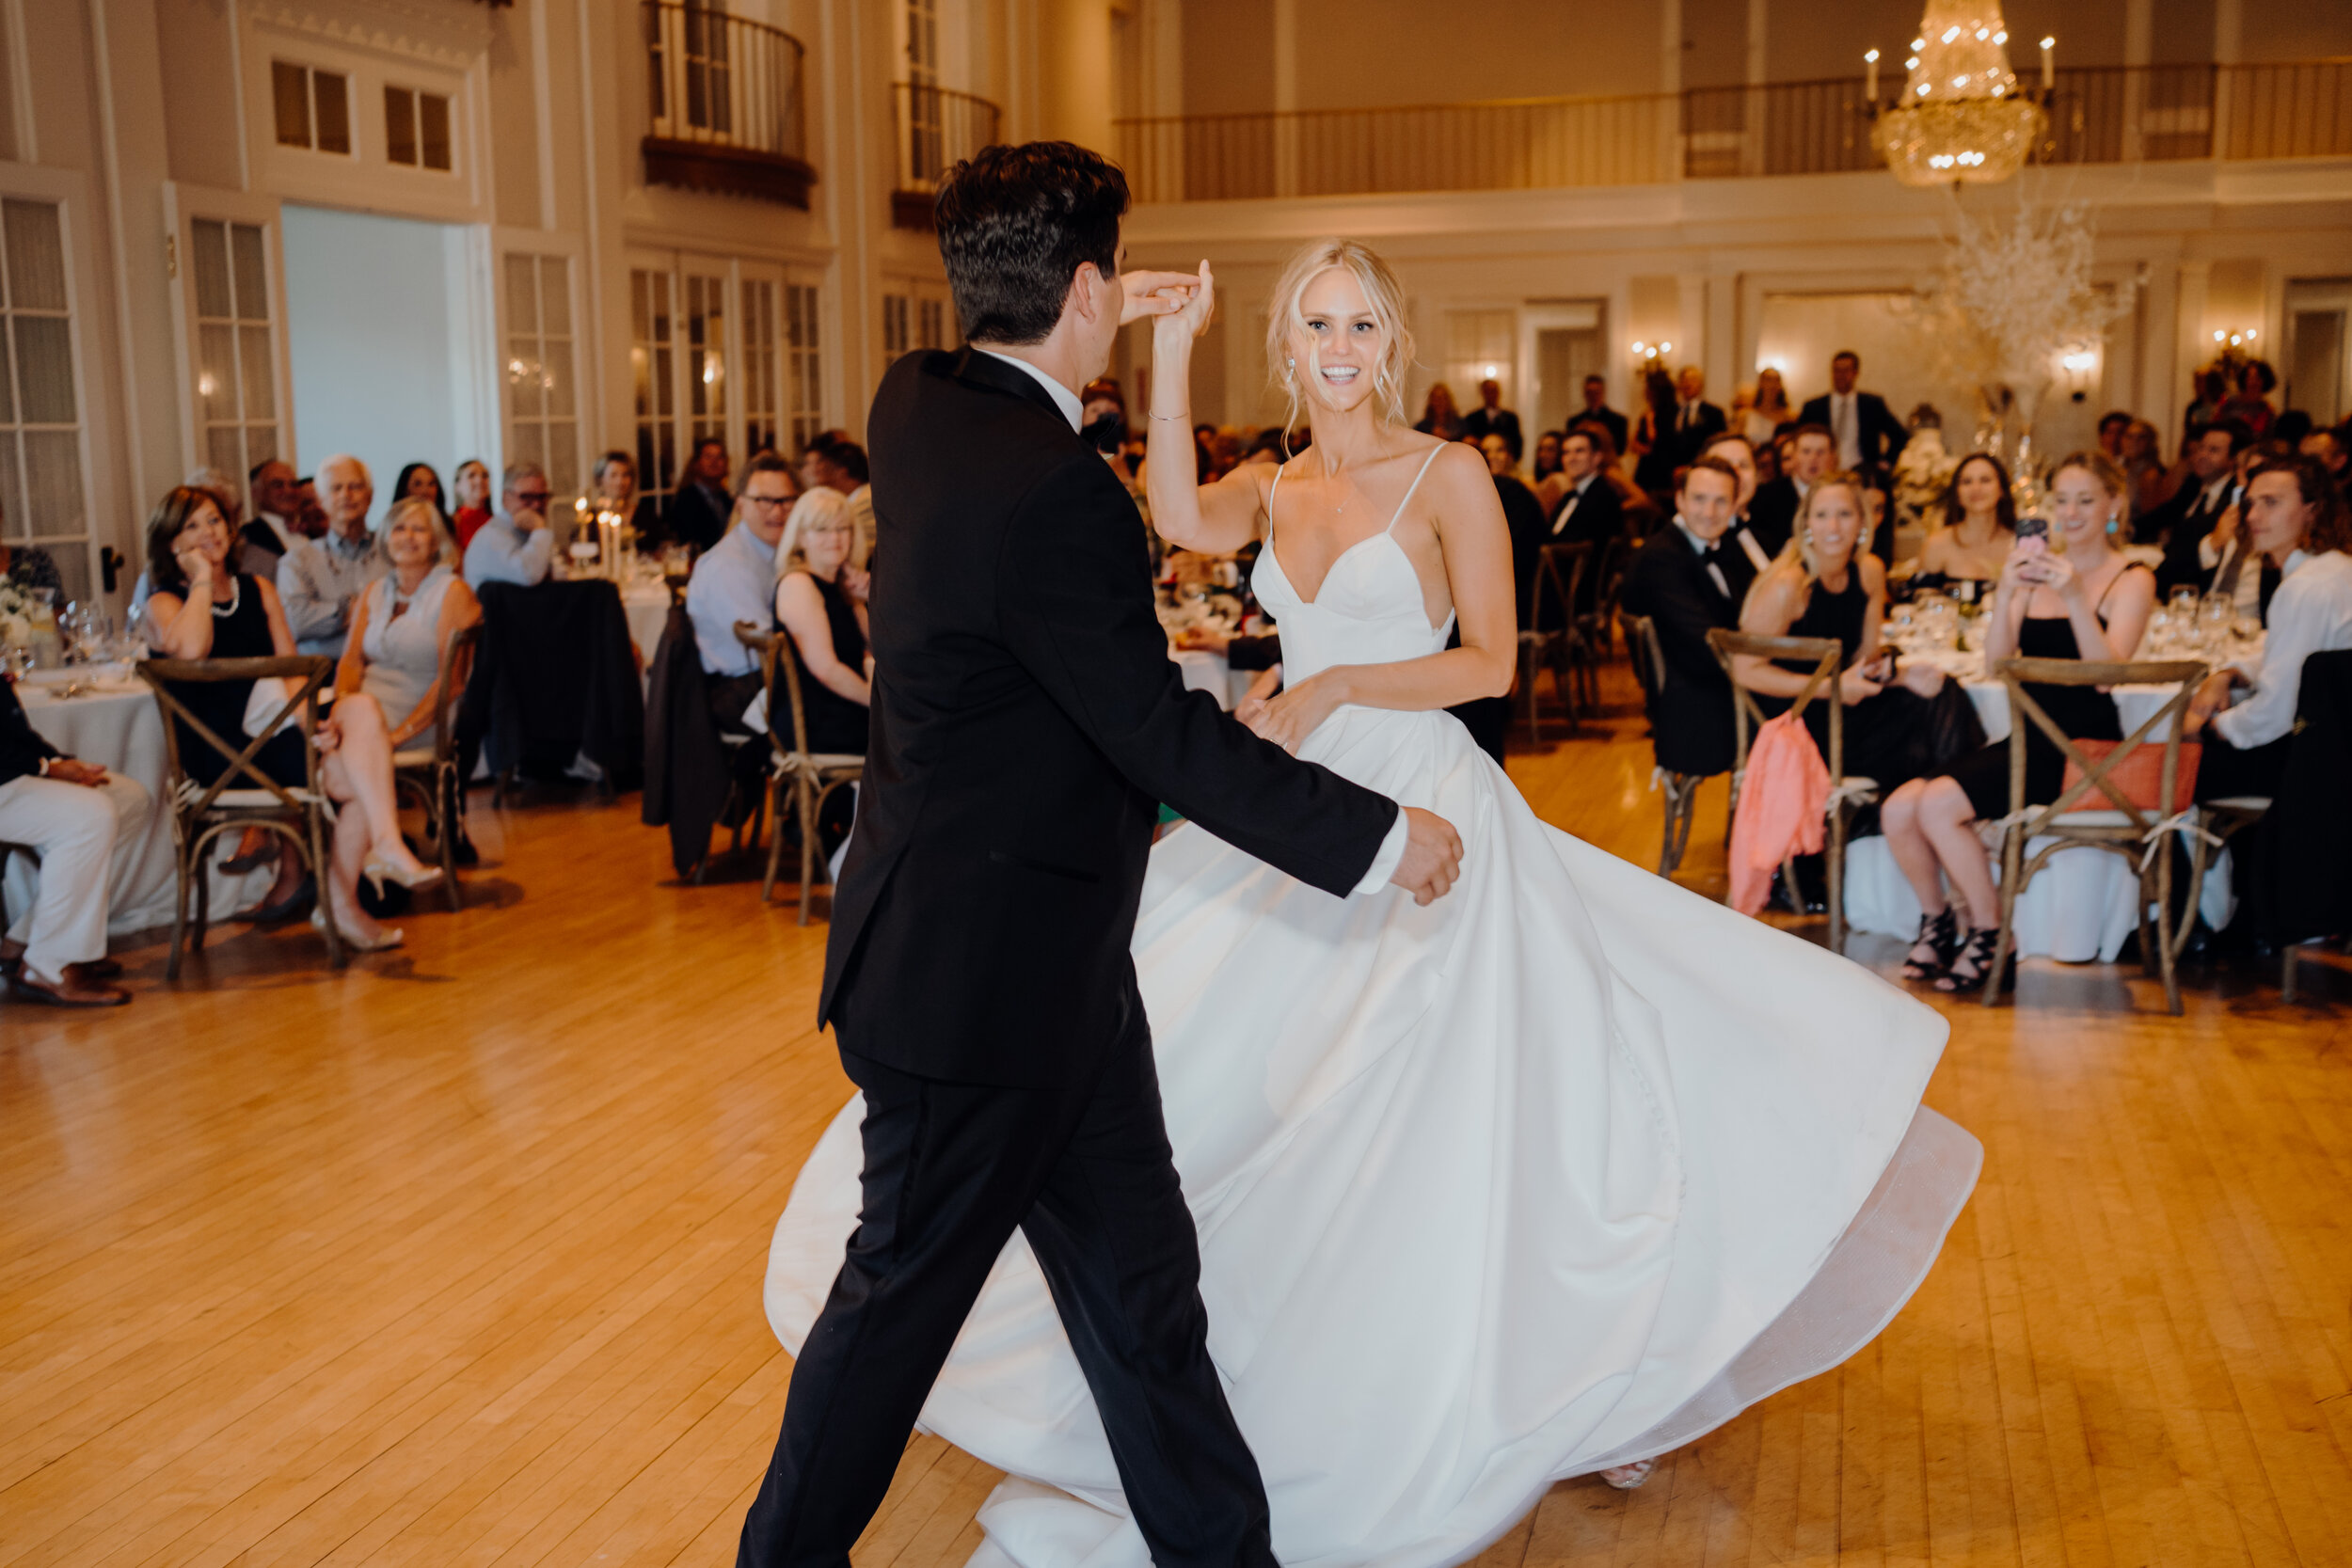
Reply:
x=1687, y=443
x=1690, y=718
x=2181, y=524
x=1480, y=424
x=1028, y=723
x=1883, y=434
x=1598, y=513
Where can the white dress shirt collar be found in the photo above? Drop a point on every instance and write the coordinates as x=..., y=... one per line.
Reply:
x=1064, y=399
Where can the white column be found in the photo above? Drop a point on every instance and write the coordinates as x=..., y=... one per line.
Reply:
x=1285, y=97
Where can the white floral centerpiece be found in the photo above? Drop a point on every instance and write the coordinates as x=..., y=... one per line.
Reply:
x=16, y=614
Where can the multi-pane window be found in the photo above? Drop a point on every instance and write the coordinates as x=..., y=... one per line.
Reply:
x=926, y=139
x=41, y=421
x=931, y=323
x=416, y=129
x=313, y=107
x=804, y=379
x=898, y=336
x=706, y=357
x=652, y=357
x=763, y=366
x=542, y=419
x=236, y=345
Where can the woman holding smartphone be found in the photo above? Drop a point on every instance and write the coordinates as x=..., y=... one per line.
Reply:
x=2064, y=591
x=1824, y=584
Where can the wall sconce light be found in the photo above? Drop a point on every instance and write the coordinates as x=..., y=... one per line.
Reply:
x=1647, y=354
x=2080, y=364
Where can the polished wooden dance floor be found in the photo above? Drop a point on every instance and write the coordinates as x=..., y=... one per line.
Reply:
x=456, y=1258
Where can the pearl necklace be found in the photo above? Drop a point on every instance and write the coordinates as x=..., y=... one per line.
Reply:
x=236, y=596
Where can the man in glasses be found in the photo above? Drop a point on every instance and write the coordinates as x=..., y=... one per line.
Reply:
x=736, y=580
x=514, y=545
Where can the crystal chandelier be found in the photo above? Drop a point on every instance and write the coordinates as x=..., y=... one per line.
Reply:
x=1963, y=116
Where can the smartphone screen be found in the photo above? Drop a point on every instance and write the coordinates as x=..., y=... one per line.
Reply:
x=2033, y=528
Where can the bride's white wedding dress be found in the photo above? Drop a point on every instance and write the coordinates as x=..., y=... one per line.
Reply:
x=1561, y=1171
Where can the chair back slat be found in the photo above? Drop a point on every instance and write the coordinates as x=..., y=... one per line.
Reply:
x=1647, y=654
x=1560, y=572
x=456, y=673
x=311, y=671
x=1828, y=656
x=779, y=665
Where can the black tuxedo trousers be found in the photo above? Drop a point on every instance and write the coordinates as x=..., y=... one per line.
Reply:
x=1083, y=1170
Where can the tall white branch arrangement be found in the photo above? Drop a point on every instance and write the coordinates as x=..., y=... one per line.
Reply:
x=2010, y=297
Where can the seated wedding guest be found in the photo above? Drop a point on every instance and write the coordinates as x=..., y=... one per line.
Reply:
x=614, y=483
x=2329, y=447
x=1589, y=508
x=1825, y=585
x=2183, y=524
x=276, y=508
x=1491, y=419
x=2295, y=516
x=1864, y=432
x=309, y=513
x=2143, y=469
x=2112, y=427
x=70, y=815
x=262, y=547
x=473, y=484
x=1963, y=555
x=736, y=580
x=515, y=546
x=820, y=600
x=419, y=479
x=404, y=620
x=699, y=509
x=2249, y=402
x=1676, y=580
x=203, y=607
x=2070, y=596
x=834, y=462
x=1546, y=463
x=1440, y=417
x=1772, y=516
x=320, y=580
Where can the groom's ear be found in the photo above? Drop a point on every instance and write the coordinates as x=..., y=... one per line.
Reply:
x=1086, y=295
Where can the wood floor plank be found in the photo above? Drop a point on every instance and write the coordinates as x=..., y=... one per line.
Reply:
x=454, y=1257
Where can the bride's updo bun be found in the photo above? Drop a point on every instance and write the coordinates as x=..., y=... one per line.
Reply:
x=1381, y=291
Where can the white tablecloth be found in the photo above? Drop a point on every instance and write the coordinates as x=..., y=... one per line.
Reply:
x=119, y=727
x=1206, y=671
x=648, y=608
x=2077, y=908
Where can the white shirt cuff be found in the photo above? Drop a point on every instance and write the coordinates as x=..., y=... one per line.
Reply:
x=1392, y=851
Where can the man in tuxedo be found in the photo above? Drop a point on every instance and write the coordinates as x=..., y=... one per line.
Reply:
x=1597, y=409
x=1773, y=517
x=1863, y=430
x=1026, y=723
x=1592, y=511
x=1742, y=557
x=1677, y=580
x=2182, y=523
x=702, y=506
x=1491, y=419
x=1696, y=420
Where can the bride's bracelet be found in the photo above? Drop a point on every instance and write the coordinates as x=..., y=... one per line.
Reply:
x=1173, y=419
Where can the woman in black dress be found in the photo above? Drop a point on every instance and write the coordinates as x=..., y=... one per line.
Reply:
x=821, y=602
x=203, y=607
x=2070, y=596
x=1823, y=585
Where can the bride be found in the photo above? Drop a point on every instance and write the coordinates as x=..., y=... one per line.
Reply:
x=1546, y=1177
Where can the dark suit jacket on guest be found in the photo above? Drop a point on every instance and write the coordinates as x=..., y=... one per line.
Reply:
x=1772, y=515
x=2180, y=525
x=1028, y=723
x=1688, y=442
x=1596, y=514
x=1608, y=418
x=1881, y=434
x=259, y=552
x=1478, y=424
x=694, y=517
x=1690, y=718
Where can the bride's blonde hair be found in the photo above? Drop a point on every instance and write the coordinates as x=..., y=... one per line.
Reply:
x=1381, y=291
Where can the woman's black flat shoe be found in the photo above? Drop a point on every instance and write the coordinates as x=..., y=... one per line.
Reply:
x=292, y=907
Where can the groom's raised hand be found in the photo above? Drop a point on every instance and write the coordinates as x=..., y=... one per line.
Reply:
x=1433, y=856
x=1154, y=293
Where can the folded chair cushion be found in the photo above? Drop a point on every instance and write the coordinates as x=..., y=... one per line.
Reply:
x=2138, y=780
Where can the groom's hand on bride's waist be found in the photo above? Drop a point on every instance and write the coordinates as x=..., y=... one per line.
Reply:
x=1433, y=856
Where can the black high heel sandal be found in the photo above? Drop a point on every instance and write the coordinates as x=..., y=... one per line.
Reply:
x=1939, y=933
x=1978, y=950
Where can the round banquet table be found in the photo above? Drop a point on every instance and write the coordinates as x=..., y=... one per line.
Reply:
x=647, y=606
x=116, y=723
x=2078, y=907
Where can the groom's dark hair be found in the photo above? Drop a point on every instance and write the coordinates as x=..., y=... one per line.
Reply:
x=1015, y=223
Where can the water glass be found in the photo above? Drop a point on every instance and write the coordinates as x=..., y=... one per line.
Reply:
x=2183, y=603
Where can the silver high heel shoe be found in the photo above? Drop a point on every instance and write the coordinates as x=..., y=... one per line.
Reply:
x=1625, y=1478
x=378, y=871
x=392, y=938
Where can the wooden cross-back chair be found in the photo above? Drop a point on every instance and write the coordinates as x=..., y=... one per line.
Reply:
x=430, y=775
x=1681, y=790
x=242, y=795
x=1549, y=636
x=1845, y=796
x=2137, y=833
x=812, y=776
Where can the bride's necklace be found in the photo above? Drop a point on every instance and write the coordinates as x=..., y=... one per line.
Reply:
x=236, y=595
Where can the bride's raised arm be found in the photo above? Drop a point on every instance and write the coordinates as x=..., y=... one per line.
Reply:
x=1216, y=519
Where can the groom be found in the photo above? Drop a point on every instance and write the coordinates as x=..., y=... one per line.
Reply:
x=1026, y=721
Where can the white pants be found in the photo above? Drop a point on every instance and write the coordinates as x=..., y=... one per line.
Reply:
x=60, y=907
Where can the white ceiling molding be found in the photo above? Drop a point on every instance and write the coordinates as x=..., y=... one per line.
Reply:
x=454, y=33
